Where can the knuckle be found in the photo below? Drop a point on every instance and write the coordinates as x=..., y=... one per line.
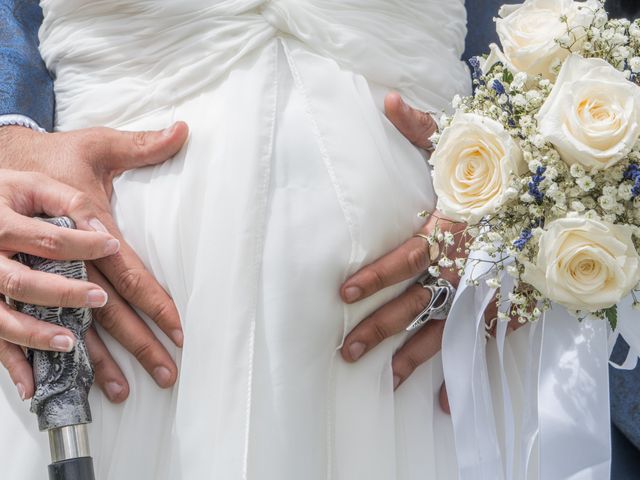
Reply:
x=66, y=297
x=375, y=278
x=129, y=282
x=108, y=316
x=418, y=259
x=408, y=363
x=98, y=360
x=6, y=233
x=143, y=351
x=161, y=312
x=11, y=362
x=13, y=284
x=50, y=242
x=91, y=144
x=417, y=302
x=31, y=339
x=429, y=123
x=5, y=354
x=140, y=139
x=379, y=332
x=80, y=201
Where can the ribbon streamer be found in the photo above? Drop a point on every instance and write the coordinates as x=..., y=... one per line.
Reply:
x=561, y=430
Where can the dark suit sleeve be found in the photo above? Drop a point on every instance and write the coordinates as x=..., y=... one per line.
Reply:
x=26, y=88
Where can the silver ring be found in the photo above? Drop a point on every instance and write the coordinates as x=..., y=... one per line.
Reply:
x=442, y=293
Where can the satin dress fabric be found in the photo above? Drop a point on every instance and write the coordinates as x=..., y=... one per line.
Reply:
x=292, y=179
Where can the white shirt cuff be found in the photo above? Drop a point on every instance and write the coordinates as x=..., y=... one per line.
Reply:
x=21, y=120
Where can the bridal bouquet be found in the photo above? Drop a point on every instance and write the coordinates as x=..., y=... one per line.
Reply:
x=542, y=162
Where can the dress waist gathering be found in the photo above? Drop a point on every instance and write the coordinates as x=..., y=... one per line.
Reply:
x=158, y=53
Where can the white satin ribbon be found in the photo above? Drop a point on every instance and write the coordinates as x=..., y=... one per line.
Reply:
x=466, y=376
x=508, y=420
x=566, y=392
x=573, y=398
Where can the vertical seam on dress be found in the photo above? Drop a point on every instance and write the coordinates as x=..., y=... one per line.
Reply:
x=331, y=382
x=267, y=158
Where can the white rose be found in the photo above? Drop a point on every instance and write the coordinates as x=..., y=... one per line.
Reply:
x=585, y=264
x=474, y=166
x=528, y=34
x=592, y=115
x=495, y=56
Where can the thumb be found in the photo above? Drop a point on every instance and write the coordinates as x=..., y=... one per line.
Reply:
x=128, y=150
x=417, y=126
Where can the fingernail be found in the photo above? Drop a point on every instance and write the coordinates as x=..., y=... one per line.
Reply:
x=356, y=349
x=162, y=376
x=21, y=391
x=112, y=246
x=62, y=343
x=178, y=337
x=396, y=381
x=113, y=390
x=351, y=294
x=167, y=132
x=96, y=298
x=97, y=225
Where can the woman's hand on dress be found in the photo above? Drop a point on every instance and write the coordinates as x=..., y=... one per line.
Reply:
x=88, y=160
x=407, y=261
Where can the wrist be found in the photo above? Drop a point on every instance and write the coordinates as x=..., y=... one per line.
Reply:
x=14, y=146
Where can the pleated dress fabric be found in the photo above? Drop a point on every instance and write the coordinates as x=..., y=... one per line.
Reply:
x=292, y=179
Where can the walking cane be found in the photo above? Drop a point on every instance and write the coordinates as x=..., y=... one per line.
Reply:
x=63, y=380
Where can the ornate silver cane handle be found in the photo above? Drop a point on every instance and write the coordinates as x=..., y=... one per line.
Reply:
x=63, y=380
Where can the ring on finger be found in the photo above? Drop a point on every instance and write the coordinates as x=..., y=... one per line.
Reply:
x=434, y=248
x=442, y=293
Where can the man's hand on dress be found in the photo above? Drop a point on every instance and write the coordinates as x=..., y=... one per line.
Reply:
x=88, y=160
x=407, y=261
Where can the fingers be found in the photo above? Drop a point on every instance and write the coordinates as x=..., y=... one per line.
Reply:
x=24, y=195
x=24, y=330
x=420, y=348
x=35, y=237
x=386, y=322
x=131, y=280
x=123, y=324
x=119, y=151
x=22, y=284
x=14, y=360
x=108, y=375
x=415, y=125
x=408, y=260
x=21, y=329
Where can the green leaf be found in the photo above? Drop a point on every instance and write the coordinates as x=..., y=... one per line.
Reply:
x=612, y=316
x=507, y=76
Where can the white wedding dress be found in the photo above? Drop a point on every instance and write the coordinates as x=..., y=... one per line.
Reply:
x=292, y=180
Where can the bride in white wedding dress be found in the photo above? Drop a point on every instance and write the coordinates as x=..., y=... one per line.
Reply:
x=292, y=180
